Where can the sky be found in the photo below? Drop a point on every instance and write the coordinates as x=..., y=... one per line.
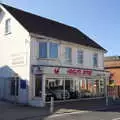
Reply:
x=98, y=19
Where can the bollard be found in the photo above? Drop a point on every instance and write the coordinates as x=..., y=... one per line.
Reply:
x=114, y=97
x=106, y=100
x=52, y=105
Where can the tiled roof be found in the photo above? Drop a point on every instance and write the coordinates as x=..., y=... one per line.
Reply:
x=43, y=26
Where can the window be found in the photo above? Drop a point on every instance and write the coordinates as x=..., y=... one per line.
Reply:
x=68, y=54
x=43, y=50
x=38, y=86
x=14, y=86
x=53, y=50
x=44, y=47
x=80, y=57
x=95, y=60
x=8, y=26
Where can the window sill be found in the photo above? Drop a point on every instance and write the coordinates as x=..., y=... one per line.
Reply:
x=68, y=63
x=53, y=59
x=7, y=33
x=78, y=64
x=95, y=67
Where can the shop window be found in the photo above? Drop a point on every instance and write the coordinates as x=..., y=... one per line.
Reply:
x=8, y=26
x=95, y=60
x=68, y=55
x=53, y=50
x=43, y=50
x=14, y=86
x=80, y=57
x=38, y=86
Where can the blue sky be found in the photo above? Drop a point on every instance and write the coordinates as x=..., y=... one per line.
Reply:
x=99, y=19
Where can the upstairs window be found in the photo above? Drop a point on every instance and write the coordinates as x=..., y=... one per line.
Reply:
x=8, y=26
x=95, y=60
x=48, y=50
x=53, y=50
x=68, y=54
x=79, y=56
x=43, y=50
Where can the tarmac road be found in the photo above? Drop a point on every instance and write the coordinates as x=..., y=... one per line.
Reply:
x=108, y=114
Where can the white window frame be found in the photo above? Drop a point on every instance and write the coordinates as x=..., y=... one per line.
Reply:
x=68, y=60
x=95, y=64
x=8, y=26
x=48, y=50
x=79, y=50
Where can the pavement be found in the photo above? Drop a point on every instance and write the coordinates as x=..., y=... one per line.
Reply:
x=9, y=111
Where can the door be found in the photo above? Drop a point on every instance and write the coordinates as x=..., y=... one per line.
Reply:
x=14, y=88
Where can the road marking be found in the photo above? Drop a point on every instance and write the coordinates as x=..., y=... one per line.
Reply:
x=63, y=114
x=116, y=119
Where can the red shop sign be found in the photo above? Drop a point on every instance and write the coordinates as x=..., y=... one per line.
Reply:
x=56, y=70
x=72, y=71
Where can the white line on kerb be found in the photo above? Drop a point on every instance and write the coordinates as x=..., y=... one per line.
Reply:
x=116, y=119
x=64, y=114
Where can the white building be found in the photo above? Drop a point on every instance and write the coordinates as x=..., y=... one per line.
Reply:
x=41, y=58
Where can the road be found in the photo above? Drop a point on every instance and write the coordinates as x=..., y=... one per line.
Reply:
x=110, y=114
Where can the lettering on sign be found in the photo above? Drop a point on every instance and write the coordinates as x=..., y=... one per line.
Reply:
x=56, y=70
x=72, y=71
x=18, y=59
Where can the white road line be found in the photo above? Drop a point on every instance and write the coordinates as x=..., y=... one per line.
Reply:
x=64, y=114
x=116, y=119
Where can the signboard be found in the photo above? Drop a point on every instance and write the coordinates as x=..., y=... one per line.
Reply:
x=23, y=84
x=37, y=70
x=72, y=71
x=18, y=59
x=67, y=71
x=78, y=72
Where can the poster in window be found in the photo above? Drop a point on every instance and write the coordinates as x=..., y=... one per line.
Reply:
x=23, y=84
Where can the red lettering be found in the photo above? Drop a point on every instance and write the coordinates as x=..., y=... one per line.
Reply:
x=79, y=72
x=69, y=71
x=56, y=70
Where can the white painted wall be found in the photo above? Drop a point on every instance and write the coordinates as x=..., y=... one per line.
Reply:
x=13, y=48
x=88, y=54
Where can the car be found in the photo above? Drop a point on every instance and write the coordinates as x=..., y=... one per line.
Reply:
x=59, y=94
x=73, y=94
x=85, y=93
x=49, y=94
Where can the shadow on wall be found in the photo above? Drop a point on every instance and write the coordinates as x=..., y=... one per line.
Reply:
x=1, y=15
x=12, y=88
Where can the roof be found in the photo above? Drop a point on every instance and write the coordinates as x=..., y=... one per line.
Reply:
x=112, y=58
x=50, y=28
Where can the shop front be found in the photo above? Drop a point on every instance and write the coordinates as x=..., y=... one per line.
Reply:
x=67, y=83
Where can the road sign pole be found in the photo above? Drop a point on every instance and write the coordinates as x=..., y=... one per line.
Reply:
x=106, y=90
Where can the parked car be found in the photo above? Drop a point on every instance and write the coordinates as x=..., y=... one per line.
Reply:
x=73, y=94
x=59, y=94
x=49, y=94
x=86, y=93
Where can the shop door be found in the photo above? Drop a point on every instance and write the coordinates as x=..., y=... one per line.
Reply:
x=14, y=88
x=38, y=86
